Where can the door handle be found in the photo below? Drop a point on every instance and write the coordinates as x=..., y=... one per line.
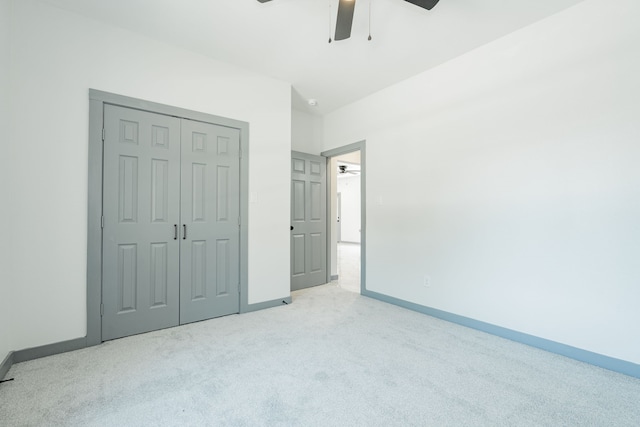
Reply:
x=175, y=231
x=184, y=231
x=292, y=228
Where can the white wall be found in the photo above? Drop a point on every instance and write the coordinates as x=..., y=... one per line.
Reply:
x=306, y=132
x=58, y=57
x=6, y=342
x=349, y=188
x=520, y=190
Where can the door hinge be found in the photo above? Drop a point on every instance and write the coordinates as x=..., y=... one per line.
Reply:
x=101, y=309
x=240, y=153
x=102, y=134
x=102, y=221
x=239, y=223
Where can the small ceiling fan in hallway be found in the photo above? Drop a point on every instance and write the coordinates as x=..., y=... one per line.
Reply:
x=348, y=168
x=346, y=8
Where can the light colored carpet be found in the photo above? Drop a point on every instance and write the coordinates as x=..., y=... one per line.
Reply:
x=331, y=358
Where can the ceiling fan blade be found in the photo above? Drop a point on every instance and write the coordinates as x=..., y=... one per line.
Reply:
x=425, y=4
x=345, y=19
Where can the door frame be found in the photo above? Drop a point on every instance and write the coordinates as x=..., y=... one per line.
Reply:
x=97, y=101
x=338, y=214
x=329, y=154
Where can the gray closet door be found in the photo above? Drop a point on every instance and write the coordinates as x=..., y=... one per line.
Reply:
x=141, y=196
x=308, y=220
x=210, y=248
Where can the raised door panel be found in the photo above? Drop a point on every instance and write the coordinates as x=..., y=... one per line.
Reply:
x=198, y=270
x=198, y=192
x=298, y=201
x=160, y=191
x=315, y=200
x=298, y=253
x=210, y=188
x=128, y=201
x=223, y=195
x=127, y=278
x=159, y=275
x=140, y=209
x=224, y=267
x=315, y=252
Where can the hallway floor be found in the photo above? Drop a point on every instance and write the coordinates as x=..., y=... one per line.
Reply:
x=349, y=267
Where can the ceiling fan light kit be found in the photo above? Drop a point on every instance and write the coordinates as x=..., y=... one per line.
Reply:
x=346, y=9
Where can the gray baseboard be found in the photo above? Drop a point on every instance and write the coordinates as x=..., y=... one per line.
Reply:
x=334, y=277
x=606, y=362
x=266, y=304
x=41, y=351
x=6, y=365
x=49, y=350
x=79, y=343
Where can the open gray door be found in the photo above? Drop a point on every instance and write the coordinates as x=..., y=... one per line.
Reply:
x=141, y=193
x=210, y=251
x=308, y=220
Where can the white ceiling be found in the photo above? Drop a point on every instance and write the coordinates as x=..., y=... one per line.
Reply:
x=288, y=39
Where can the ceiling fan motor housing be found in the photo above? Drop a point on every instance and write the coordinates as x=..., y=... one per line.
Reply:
x=346, y=9
x=425, y=4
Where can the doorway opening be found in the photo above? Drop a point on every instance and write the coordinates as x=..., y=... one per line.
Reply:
x=346, y=216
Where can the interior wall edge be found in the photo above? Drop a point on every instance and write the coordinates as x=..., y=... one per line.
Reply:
x=610, y=363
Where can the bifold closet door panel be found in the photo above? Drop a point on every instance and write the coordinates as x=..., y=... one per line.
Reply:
x=210, y=212
x=141, y=202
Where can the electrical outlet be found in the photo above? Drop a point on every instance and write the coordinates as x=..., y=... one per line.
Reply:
x=427, y=281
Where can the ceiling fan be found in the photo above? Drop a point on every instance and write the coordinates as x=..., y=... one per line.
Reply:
x=347, y=7
x=344, y=169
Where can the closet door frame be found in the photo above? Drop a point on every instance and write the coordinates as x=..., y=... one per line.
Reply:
x=97, y=101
